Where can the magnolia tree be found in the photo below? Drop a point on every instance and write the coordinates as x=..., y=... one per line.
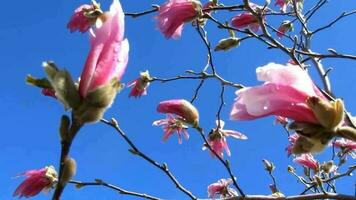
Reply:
x=312, y=116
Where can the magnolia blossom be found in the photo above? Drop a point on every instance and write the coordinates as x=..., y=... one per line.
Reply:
x=348, y=146
x=307, y=160
x=222, y=188
x=245, y=19
x=108, y=55
x=140, y=85
x=217, y=139
x=284, y=94
x=292, y=139
x=172, y=125
x=36, y=181
x=283, y=4
x=174, y=13
x=181, y=107
x=79, y=22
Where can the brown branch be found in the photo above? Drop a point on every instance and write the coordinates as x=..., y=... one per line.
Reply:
x=98, y=182
x=139, y=14
x=163, y=167
x=344, y=14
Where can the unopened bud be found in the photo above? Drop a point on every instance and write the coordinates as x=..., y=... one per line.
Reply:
x=269, y=166
x=69, y=170
x=328, y=167
x=328, y=114
x=227, y=44
x=290, y=169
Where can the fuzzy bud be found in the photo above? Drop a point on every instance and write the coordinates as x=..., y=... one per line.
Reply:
x=347, y=132
x=328, y=114
x=69, y=170
x=227, y=44
x=269, y=166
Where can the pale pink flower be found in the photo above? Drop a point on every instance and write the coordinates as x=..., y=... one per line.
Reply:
x=283, y=4
x=172, y=125
x=292, y=139
x=174, y=13
x=140, y=85
x=284, y=94
x=181, y=107
x=307, y=160
x=222, y=188
x=348, y=146
x=245, y=19
x=217, y=139
x=36, y=181
x=79, y=22
x=108, y=55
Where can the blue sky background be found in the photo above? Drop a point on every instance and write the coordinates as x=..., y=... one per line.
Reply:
x=34, y=31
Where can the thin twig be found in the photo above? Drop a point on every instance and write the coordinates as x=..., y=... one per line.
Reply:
x=139, y=14
x=298, y=197
x=80, y=184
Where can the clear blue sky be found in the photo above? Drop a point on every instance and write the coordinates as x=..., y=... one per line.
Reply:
x=34, y=31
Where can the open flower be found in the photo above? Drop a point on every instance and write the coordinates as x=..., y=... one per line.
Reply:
x=222, y=188
x=181, y=107
x=36, y=181
x=172, y=125
x=284, y=93
x=217, y=139
x=174, y=13
x=307, y=160
x=139, y=86
x=347, y=146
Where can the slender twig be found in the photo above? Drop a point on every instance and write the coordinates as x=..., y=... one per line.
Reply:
x=163, y=167
x=344, y=14
x=139, y=14
x=196, y=92
x=222, y=103
x=80, y=184
x=204, y=37
x=298, y=197
x=313, y=10
x=225, y=163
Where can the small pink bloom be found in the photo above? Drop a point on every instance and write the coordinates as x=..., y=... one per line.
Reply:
x=284, y=94
x=139, y=86
x=217, y=139
x=36, y=181
x=222, y=188
x=245, y=19
x=108, y=55
x=182, y=108
x=348, y=146
x=286, y=26
x=79, y=22
x=172, y=125
x=283, y=4
x=292, y=139
x=308, y=161
x=281, y=120
x=173, y=14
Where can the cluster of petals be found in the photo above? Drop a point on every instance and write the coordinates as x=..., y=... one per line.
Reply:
x=36, y=181
x=348, y=146
x=80, y=22
x=292, y=139
x=172, y=125
x=222, y=188
x=140, y=85
x=245, y=19
x=307, y=160
x=174, y=13
x=108, y=54
x=217, y=139
x=284, y=93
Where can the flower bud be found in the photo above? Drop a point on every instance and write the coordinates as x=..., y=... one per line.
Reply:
x=182, y=108
x=69, y=170
x=269, y=166
x=347, y=132
x=328, y=114
x=227, y=44
x=311, y=144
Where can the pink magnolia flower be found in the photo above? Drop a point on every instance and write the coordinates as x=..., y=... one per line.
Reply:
x=284, y=94
x=140, y=85
x=172, y=125
x=245, y=19
x=283, y=4
x=108, y=55
x=80, y=22
x=217, y=139
x=222, y=188
x=308, y=161
x=292, y=139
x=181, y=107
x=348, y=146
x=174, y=13
x=37, y=180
